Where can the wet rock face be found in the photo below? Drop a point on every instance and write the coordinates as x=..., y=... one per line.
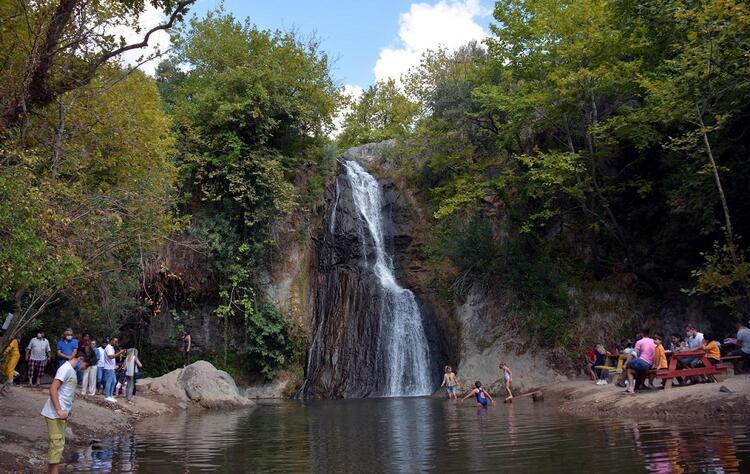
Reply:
x=347, y=297
x=343, y=351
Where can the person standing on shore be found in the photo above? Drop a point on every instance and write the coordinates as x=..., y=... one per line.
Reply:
x=187, y=343
x=110, y=363
x=132, y=367
x=38, y=352
x=88, y=386
x=11, y=354
x=58, y=406
x=67, y=348
x=100, y=356
x=450, y=382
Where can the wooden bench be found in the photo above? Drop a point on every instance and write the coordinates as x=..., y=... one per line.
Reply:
x=609, y=366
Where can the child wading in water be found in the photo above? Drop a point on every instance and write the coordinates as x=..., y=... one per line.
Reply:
x=480, y=394
x=450, y=382
x=507, y=380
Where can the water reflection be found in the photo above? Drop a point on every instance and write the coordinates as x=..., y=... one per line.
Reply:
x=416, y=435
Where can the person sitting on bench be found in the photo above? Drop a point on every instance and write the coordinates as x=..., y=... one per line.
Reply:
x=645, y=350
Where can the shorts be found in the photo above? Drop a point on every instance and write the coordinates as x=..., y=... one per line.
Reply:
x=56, y=439
x=451, y=389
x=639, y=365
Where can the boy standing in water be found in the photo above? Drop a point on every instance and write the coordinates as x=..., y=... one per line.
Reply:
x=57, y=409
x=450, y=382
x=480, y=394
x=507, y=380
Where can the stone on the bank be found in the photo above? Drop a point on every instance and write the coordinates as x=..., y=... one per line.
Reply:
x=201, y=383
x=210, y=387
x=168, y=384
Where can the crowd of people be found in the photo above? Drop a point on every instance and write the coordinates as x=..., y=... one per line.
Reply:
x=649, y=352
x=83, y=366
x=452, y=385
x=109, y=369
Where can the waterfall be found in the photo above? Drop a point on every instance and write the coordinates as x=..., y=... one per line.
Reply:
x=403, y=353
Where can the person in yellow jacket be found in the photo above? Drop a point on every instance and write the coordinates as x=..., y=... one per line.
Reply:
x=11, y=354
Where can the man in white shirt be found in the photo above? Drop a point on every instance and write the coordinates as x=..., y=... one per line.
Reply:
x=694, y=338
x=57, y=409
x=38, y=352
x=110, y=363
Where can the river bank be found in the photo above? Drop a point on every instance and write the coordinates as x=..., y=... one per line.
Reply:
x=703, y=401
x=23, y=432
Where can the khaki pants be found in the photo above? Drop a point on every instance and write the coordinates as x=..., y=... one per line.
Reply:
x=89, y=381
x=56, y=438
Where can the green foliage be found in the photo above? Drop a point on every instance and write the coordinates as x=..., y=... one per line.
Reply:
x=266, y=331
x=251, y=112
x=381, y=113
x=726, y=276
x=87, y=190
x=527, y=275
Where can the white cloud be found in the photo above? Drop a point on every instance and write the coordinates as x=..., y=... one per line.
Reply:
x=150, y=18
x=352, y=91
x=447, y=23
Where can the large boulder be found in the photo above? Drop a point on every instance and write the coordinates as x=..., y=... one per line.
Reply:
x=168, y=384
x=210, y=387
x=201, y=383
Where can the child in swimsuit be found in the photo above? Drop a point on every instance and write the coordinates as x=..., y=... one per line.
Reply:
x=450, y=382
x=480, y=394
x=507, y=380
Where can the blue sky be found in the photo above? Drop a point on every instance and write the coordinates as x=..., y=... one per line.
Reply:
x=364, y=34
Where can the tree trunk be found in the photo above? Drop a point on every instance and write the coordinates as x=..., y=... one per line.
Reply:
x=34, y=89
x=717, y=179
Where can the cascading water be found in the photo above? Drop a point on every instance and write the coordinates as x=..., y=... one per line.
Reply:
x=403, y=352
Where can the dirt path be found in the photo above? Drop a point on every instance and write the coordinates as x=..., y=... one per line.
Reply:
x=584, y=398
x=23, y=432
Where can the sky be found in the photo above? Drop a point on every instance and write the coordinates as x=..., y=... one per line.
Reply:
x=369, y=40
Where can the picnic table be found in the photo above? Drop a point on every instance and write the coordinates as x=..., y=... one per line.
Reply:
x=686, y=371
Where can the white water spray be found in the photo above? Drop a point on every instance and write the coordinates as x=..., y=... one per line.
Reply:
x=402, y=344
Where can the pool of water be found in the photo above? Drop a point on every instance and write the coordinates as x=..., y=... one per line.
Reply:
x=414, y=435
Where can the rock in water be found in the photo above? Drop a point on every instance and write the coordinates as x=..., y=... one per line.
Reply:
x=201, y=383
x=724, y=389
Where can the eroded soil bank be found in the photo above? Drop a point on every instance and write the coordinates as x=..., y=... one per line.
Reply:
x=584, y=398
x=23, y=432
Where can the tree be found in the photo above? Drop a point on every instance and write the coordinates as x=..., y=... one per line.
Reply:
x=698, y=91
x=381, y=113
x=251, y=112
x=56, y=47
x=84, y=204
